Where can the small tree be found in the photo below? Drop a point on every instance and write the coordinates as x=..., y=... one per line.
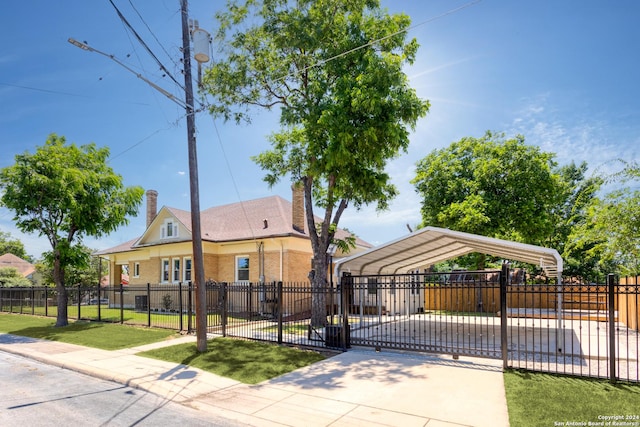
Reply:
x=65, y=192
x=10, y=277
x=85, y=273
x=335, y=69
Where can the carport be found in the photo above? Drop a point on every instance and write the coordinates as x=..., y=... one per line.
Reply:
x=430, y=245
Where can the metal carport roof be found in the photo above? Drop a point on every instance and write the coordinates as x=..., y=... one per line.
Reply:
x=431, y=245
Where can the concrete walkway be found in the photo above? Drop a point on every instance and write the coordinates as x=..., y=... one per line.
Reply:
x=358, y=388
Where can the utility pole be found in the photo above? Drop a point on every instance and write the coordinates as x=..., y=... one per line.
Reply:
x=188, y=105
x=196, y=232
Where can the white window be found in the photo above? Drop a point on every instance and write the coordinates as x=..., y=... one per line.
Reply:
x=164, y=275
x=136, y=269
x=176, y=270
x=242, y=268
x=187, y=270
x=169, y=229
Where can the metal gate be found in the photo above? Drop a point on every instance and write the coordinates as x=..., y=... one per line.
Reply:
x=451, y=313
x=570, y=328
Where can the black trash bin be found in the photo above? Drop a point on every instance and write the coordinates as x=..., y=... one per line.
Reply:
x=333, y=336
x=142, y=303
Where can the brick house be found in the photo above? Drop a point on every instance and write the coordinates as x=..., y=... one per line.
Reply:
x=257, y=240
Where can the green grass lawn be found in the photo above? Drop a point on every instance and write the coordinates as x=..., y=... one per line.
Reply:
x=107, y=336
x=537, y=399
x=249, y=362
x=245, y=361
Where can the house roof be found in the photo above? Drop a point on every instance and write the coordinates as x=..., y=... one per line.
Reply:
x=24, y=267
x=431, y=245
x=253, y=219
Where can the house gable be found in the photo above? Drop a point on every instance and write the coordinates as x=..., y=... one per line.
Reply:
x=25, y=268
x=169, y=226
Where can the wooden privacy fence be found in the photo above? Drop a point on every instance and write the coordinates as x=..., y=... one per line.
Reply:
x=485, y=297
x=628, y=304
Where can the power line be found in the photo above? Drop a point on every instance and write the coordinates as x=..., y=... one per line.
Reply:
x=131, y=147
x=37, y=89
x=153, y=34
x=142, y=42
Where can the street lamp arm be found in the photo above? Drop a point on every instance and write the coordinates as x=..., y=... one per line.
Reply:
x=88, y=48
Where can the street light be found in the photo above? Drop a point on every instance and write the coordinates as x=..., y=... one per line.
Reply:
x=88, y=48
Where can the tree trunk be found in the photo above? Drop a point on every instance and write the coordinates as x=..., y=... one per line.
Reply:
x=58, y=278
x=319, y=293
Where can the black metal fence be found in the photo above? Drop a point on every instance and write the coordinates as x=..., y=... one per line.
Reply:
x=578, y=329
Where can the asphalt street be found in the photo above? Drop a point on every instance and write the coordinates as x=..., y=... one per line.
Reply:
x=38, y=395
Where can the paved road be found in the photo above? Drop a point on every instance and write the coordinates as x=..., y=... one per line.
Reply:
x=33, y=394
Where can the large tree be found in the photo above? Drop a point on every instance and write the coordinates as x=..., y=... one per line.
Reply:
x=609, y=235
x=491, y=186
x=66, y=192
x=335, y=70
x=570, y=214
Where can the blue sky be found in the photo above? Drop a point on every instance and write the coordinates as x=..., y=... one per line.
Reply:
x=562, y=73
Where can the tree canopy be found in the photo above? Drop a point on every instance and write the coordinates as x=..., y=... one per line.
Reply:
x=609, y=235
x=9, y=245
x=66, y=192
x=490, y=186
x=335, y=70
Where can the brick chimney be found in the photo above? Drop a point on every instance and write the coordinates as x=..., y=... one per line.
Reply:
x=298, y=219
x=152, y=206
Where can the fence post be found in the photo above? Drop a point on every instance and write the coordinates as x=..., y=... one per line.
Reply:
x=46, y=302
x=33, y=303
x=611, y=283
x=78, y=296
x=148, y=304
x=250, y=299
x=279, y=308
x=223, y=315
x=345, y=286
x=189, y=307
x=121, y=303
x=99, y=304
x=180, y=308
x=504, y=342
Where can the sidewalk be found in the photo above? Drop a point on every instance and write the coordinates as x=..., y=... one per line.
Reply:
x=357, y=388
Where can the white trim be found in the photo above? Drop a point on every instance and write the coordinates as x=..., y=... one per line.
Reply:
x=175, y=272
x=184, y=269
x=165, y=262
x=236, y=269
x=169, y=229
x=136, y=269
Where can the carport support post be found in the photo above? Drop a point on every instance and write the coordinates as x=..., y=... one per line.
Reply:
x=504, y=343
x=559, y=331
